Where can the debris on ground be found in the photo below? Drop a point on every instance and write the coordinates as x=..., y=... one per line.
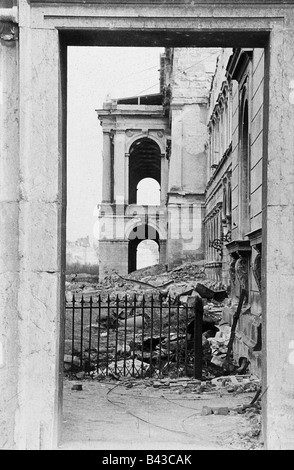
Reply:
x=77, y=387
x=175, y=282
x=237, y=383
x=220, y=410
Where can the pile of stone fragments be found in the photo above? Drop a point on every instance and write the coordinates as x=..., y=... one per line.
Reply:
x=180, y=284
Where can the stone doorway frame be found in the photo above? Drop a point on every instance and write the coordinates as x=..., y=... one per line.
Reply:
x=39, y=202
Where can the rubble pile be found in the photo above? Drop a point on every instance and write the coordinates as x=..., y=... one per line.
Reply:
x=133, y=345
x=237, y=383
x=148, y=281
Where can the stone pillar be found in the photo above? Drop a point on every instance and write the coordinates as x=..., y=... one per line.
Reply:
x=40, y=297
x=164, y=180
x=119, y=167
x=278, y=241
x=162, y=252
x=127, y=163
x=9, y=239
x=107, y=181
x=175, y=165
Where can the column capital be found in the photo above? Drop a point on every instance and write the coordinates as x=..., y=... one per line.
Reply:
x=9, y=14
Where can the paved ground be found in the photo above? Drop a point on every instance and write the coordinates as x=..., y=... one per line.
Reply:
x=109, y=415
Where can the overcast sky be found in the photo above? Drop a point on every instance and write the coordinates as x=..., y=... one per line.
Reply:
x=94, y=73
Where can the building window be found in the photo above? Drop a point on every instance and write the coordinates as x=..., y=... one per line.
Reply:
x=244, y=159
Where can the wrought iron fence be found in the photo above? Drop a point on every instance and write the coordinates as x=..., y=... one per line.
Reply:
x=133, y=336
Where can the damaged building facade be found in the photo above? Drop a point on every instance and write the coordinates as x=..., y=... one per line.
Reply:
x=233, y=218
x=201, y=140
x=161, y=137
x=34, y=36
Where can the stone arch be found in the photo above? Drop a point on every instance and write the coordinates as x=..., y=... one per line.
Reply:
x=139, y=233
x=135, y=222
x=160, y=142
x=144, y=162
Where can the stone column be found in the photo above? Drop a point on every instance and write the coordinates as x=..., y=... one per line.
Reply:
x=278, y=241
x=9, y=238
x=119, y=167
x=127, y=163
x=175, y=166
x=107, y=180
x=162, y=252
x=164, y=180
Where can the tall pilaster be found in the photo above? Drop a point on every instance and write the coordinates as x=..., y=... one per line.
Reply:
x=107, y=180
x=119, y=166
x=41, y=234
x=9, y=232
x=278, y=241
x=176, y=164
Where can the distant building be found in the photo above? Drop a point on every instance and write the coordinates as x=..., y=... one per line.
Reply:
x=82, y=253
x=159, y=137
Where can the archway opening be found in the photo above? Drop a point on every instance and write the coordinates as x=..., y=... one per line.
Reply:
x=147, y=254
x=144, y=163
x=139, y=234
x=148, y=192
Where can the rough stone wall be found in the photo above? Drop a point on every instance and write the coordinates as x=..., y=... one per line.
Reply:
x=193, y=70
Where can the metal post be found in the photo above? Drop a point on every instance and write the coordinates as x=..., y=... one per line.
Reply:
x=90, y=333
x=160, y=335
x=169, y=320
x=178, y=333
x=198, y=319
x=125, y=333
x=73, y=332
x=99, y=327
x=186, y=340
x=151, y=335
x=82, y=331
x=107, y=337
x=143, y=333
x=116, y=333
x=134, y=340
